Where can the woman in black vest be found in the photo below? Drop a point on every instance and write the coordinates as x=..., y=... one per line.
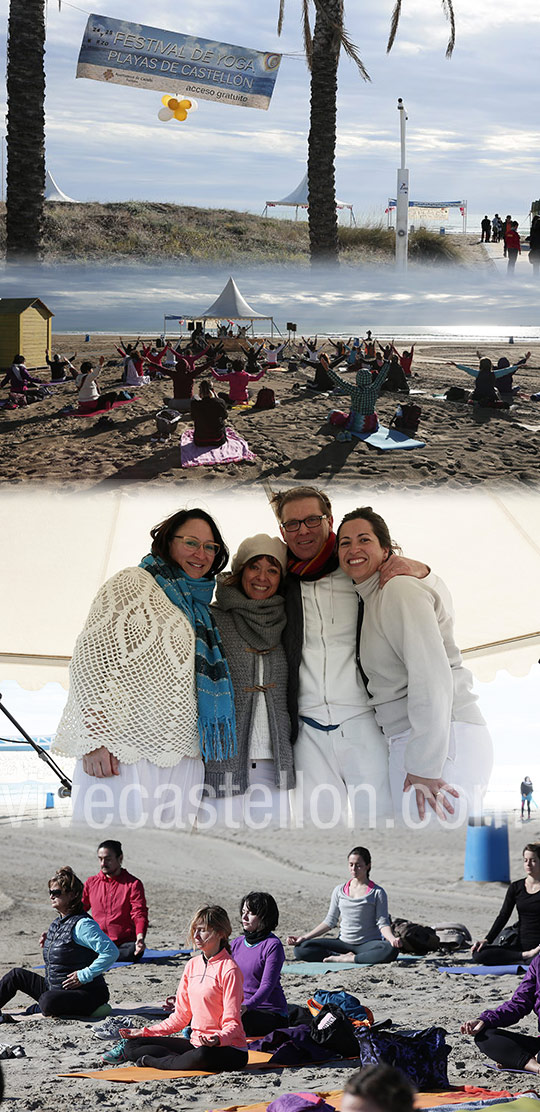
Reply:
x=76, y=955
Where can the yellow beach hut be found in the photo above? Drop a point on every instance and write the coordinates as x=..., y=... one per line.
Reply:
x=25, y=329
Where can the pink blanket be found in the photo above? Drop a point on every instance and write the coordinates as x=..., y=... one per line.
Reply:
x=235, y=450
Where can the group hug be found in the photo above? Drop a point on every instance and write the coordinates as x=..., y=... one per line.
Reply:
x=231, y=991
x=317, y=680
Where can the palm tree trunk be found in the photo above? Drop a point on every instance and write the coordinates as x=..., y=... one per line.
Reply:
x=25, y=195
x=322, y=213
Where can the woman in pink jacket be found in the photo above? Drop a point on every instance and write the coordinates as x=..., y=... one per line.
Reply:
x=209, y=999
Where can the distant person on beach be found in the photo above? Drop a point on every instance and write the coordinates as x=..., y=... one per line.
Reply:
x=260, y=955
x=405, y=359
x=378, y=1088
x=272, y=353
x=117, y=902
x=337, y=741
x=497, y=227
x=208, y=1000
x=134, y=371
x=486, y=230
x=21, y=382
x=507, y=224
x=513, y=246
x=522, y=896
x=422, y=694
x=88, y=395
x=511, y=1050
x=209, y=414
x=76, y=953
x=365, y=936
x=238, y=379
x=58, y=366
x=396, y=381
x=534, y=245
x=526, y=790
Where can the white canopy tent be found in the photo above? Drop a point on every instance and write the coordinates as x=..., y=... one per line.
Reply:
x=53, y=191
x=298, y=199
x=231, y=306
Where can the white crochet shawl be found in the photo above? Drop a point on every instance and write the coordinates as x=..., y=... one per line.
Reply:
x=132, y=677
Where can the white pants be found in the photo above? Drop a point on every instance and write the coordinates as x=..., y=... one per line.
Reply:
x=467, y=768
x=141, y=795
x=342, y=776
x=261, y=806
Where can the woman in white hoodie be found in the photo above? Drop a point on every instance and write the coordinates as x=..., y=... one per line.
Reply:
x=412, y=668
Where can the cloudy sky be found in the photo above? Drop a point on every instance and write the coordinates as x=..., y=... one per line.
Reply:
x=472, y=131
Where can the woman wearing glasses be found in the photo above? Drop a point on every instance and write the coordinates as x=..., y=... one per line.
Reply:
x=150, y=694
x=76, y=953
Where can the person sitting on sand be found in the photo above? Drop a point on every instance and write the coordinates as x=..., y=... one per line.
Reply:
x=405, y=359
x=58, y=366
x=209, y=999
x=117, y=902
x=260, y=956
x=209, y=414
x=89, y=397
x=378, y=1088
x=365, y=936
x=76, y=953
x=485, y=392
x=511, y=1050
x=238, y=380
x=19, y=378
x=134, y=371
x=524, y=897
x=505, y=384
x=364, y=393
x=396, y=381
x=272, y=353
x=183, y=369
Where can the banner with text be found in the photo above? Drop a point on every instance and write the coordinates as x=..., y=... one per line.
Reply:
x=147, y=58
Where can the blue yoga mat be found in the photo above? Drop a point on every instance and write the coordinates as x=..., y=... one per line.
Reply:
x=484, y=970
x=312, y=968
x=388, y=439
x=153, y=956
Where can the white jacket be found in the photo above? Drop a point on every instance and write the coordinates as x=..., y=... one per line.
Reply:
x=414, y=667
x=132, y=677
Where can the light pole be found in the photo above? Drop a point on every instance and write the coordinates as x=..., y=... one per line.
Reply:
x=402, y=198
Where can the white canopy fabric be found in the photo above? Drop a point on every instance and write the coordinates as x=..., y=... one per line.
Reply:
x=61, y=548
x=299, y=199
x=231, y=305
x=54, y=193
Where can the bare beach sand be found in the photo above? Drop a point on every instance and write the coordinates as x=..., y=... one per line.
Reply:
x=422, y=874
x=463, y=446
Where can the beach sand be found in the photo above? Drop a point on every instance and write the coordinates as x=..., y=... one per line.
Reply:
x=464, y=447
x=421, y=873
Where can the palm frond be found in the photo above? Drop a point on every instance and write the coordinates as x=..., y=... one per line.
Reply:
x=448, y=9
x=394, y=25
x=340, y=31
x=308, y=37
x=280, y=16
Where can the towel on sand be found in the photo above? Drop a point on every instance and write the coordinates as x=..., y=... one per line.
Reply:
x=235, y=450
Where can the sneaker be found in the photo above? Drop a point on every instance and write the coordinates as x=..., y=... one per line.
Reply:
x=116, y=1054
x=110, y=1028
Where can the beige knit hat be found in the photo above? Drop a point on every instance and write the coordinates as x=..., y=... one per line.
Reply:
x=260, y=545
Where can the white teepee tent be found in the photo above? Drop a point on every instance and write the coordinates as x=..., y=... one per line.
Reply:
x=54, y=193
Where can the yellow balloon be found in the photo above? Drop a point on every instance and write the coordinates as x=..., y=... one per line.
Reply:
x=165, y=99
x=173, y=104
x=185, y=104
x=180, y=114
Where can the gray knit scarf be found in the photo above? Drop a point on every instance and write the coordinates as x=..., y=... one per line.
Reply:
x=258, y=622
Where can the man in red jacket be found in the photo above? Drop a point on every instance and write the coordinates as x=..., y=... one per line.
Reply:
x=117, y=902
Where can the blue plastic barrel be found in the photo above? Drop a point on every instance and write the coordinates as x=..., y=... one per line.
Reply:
x=49, y=801
x=487, y=855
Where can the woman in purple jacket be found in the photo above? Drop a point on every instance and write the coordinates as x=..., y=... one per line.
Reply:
x=260, y=955
x=512, y=1050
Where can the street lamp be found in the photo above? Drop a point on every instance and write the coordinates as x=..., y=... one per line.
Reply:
x=402, y=198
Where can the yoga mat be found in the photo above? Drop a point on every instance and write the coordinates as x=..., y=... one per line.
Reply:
x=484, y=970
x=422, y=1100
x=507, y=1069
x=527, y=1103
x=235, y=450
x=313, y=968
x=258, y=1059
x=98, y=412
x=388, y=439
x=153, y=956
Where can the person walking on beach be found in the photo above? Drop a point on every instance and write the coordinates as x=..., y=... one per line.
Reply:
x=526, y=790
x=513, y=246
x=486, y=229
x=340, y=755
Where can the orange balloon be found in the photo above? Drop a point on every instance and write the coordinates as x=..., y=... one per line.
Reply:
x=180, y=114
x=185, y=104
x=165, y=99
x=173, y=104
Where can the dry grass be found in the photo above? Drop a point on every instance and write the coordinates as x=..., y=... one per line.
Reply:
x=135, y=230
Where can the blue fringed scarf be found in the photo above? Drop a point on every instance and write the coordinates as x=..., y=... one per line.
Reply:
x=216, y=718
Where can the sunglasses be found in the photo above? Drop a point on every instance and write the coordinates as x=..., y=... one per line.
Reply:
x=54, y=892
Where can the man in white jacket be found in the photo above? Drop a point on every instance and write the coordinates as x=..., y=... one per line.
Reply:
x=340, y=754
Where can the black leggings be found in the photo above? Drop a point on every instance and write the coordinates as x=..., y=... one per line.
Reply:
x=263, y=1022
x=53, y=1001
x=500, y=955
x=508, y=1048
x=169, y=1052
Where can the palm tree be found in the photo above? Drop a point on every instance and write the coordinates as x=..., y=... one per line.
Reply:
x=323, y=48
x=25, y=129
